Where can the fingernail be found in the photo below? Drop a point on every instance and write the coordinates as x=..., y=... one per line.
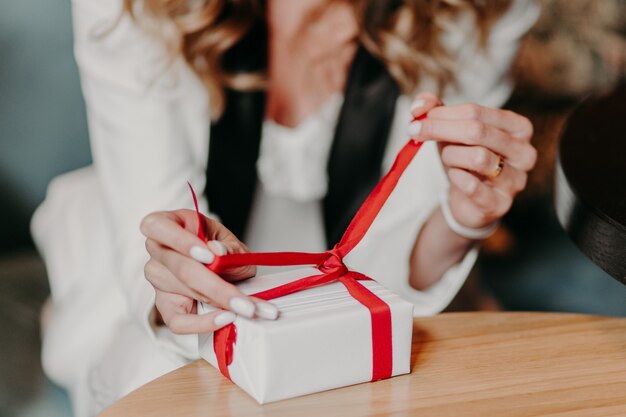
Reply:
x=242, y=306
x=202, y=254
x=225, y=318
x=266, y=310
x=218, y=247
x=417, y=104
x=463, y=182
x=414, y=128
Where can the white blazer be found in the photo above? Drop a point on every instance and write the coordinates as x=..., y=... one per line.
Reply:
x=149, y=130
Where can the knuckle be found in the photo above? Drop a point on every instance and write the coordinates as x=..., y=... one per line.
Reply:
x=237, y=247
x=471, y=187
x=474, y=111
x=476, y=131
x=148, y=222
x=175, y=325
x=528, y=128
x=446, y=154
x=523, y=126
x=150, y=270
x=183, y=212
x=151, y=246
x=531, y=158
x=170, y=322
x=482, y=159
x=161, y=302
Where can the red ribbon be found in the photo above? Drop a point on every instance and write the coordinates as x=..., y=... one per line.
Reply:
x=332, y=269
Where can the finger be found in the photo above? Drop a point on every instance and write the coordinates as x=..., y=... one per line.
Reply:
x=167, y=229
x=484, y=162
x=264, y=309
x=208, y=286
x=472, y=158
x=423, y=103
x=492, y=202
x=472, y=132
x=515, y=124
x=162, y=279
x=205, y=323
x=466, y=211
x=223, y=247
x=181, y=321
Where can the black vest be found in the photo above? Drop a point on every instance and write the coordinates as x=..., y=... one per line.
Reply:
x=354, y=166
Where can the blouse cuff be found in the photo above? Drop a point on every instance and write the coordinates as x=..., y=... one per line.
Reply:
x=437, y=297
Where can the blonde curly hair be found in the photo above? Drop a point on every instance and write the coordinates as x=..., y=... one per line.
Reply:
x=403, y=34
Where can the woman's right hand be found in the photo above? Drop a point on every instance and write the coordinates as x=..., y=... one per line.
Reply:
x=177, y=272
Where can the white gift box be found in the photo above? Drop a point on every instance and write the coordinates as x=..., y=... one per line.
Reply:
x=321, y=340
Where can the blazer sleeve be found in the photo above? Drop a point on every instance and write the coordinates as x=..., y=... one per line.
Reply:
x=482, y=78
x=483, y=74
x=148, y=121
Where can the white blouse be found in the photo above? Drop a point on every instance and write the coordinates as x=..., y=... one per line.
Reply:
x=149, y=134
x=286, y=212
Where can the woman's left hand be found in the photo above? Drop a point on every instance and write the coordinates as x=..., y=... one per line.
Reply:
x=473, y=142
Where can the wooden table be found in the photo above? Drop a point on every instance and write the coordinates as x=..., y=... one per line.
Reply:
x=590, y=192
x=464, y=364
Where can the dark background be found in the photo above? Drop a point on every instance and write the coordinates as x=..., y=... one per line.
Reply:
x=577, y=49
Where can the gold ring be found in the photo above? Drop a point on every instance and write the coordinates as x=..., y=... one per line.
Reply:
x=498, y=169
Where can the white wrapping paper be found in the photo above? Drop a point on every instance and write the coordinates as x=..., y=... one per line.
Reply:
x=322, y=340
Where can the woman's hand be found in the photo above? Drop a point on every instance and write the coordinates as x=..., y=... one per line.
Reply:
x=473, y=142
x=177, y=272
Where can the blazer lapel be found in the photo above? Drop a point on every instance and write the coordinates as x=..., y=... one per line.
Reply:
x=354, y=167
x=235, y=138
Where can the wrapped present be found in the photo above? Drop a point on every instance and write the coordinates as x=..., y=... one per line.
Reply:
x=322, y=340
x=337, y=327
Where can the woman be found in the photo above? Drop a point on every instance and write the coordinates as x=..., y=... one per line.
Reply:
x=300, y=133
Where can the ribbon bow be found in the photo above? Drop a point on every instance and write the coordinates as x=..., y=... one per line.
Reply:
x=331, y=267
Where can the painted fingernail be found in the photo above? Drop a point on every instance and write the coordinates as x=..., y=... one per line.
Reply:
x=414, y=128
x=202, y=254
x=266, y=310
x=242, y=306
x=218, y=247
x=225, y=318
x=462, y=181
x=417, y=104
